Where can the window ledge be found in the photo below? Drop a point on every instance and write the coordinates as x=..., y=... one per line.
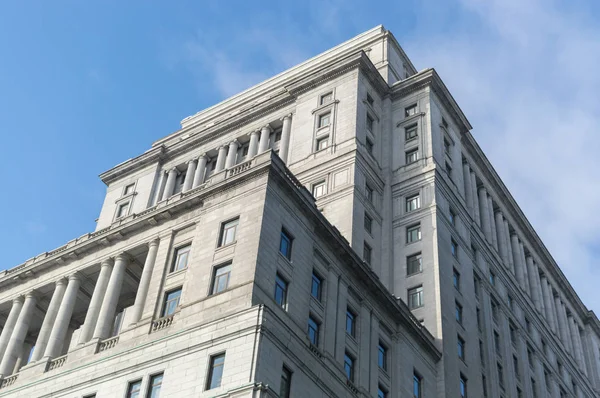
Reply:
x=409, y=119
x=318, y=303
x=173, y=274
x=324, y=106
x=125, y=197
x=323, y=128
x=285, y=259
x=224, y=247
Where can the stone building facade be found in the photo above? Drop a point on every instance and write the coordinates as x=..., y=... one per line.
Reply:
x=334, y=231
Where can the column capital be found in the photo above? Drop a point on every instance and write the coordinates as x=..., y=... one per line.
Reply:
x=122, y=256
x=31, y=294
x=107, y=262
x=154, y=242
x=255, y=132
x=192, y=160
x=235, y=141
x=288, y=116
x=19, y=299
x=267, y=127
x=223, y=147
x=75, y=276
x=174, y=169
x=203, y=155
x=61, y=282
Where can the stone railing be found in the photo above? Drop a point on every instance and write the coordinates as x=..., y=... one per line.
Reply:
x=316, y=351
x=352, y=387
x=162, y=323
x=9, y=380
x=239, y=168
x=108, y=343
x=56, y=363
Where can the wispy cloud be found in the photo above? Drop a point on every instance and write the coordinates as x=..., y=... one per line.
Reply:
x=528, y=85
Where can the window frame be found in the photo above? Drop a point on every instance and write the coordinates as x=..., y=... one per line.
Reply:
x=382, y=356
x=367, y=253
x=323, y=98
x=411, y=132
x=416, y=291
x=216, y=277
x=409, y=200
x=286, y=374
x=322, y=185
x=463, y=390
x=350, y=327
x=285, y=235
x=183, y=249
x=223, y=231
x=122, y=205
x=316, y=277
x=419, y=258
x=211, y=370
x=321, y=143
x=166, y=301
x=408, y=156
x=152, y=385
x=349, y=366
x=410, y=229
x=417, y=384
x=368, y=223
x=130, y=386
x=284, y=288
x=461, y=346
x=458, y=312
x=316, y=327
x=321, y=117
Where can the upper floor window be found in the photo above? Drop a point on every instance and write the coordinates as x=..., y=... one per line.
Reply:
x=382, y=392
x=410, y=110
x=414, y=264
x=367, y=253
x=417, y=385
x=221, y=278
x=180, y=259
x=382, y=356
x=456, y=279
x=369, y=193
x=349, y=366
x=415, y=297
x=454, y=248
x=492, y=279
x=449, y=170
x=369, y=145
x=171, y=302
x=410, y=132
x=318, y=189
x=281, y=291
x=413, y=202
x=370, y=99
x=134, y=389
x=286, y=383
x=122, y=209
x=155, y=386
x=461, y=348
x=412, y=156
x=322, y=143
x=350, y=322
x=463, y=386
x=452, y=217
x=447, y=147
x=444, y=123
x=215, y=371
x=228, y=232
x=315, y=289
x=128, y=189
x=458, y=312
x=313, y=331
x=285, y=244
x=324, y=119
x=413, y=233
x=370, y=123
x=368, y=223
x=326, y=98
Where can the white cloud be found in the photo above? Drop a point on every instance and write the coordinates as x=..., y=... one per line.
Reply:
x=528, y=84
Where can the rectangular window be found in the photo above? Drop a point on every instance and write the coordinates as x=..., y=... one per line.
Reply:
x=370, y=123
x=324, y=119
x=478, y=316
x=492, y=279
x=228, y=232
x=370, y=100
x=134, y=389
x=454, y=248
x=367, y=253
x=128, y=189
x=456, y=279
x=180, y=259
x=476, y=282
x=513, y=335
x=414, y=264
x=410, y=110
x=413, y=203
x=313, y=331
x=497, y=344
x=463, y=386
x=415, y=297
x=412, y=156
x=452, y=217
x=458, y=312
x=286, y=383
x=171, y=302
x=461, y=348
x=417, y=385
x=326, y=98
x=447, y=147
x=369, y=145
x=221, y=278
x=481, y=353
x=410, y=132
x=349, y=366
x=381, y=392
x=516, y=366
x=368, y=223
x=245, y=150
x=510, y=302
x=285, y=244
x=500, y=375
x=123, y=209
x=369, y=193
x=382, y=356
x=318, y=189
x=315, y=289
x=350, y=322
x=322, y=143
x=530, y=358
x=484, y=385
x=449, y=170
x=495, y=311
x=413, y=233
x=533, y=389
x=215, y=372
x=444, y=123
x=155, y=386
x=281, y=290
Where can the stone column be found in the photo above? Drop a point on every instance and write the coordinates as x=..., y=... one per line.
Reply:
x=189, y=175
x=22, y=360
x=106, y=316
x=485, y=214
x=91, y=317
x=519, y=266
x=548, y=307
x=533, y=284
x=492, y=223
x=330, y=321
x=364, y=348
x=232, y=154
x=263, y=144
x=500, y=237
x=477, y=216
x=374, y=373
x=142, y=292
x=577, y=351
x=468, y=189
x=509, y=255
x=253, y=146
x=526, y=286
x=559, y=320
x=284, y=145
x=17, y=337
x=48, y=323
x=568, y=340
x=63, y=318
x=170, y=187
x=200, y=171
x=340, y=330
x=581, y=349
x=221, y=158
x=10, y=323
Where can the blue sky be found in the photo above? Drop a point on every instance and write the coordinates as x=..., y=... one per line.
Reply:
x=87, y=85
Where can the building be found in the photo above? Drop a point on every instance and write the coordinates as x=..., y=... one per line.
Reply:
x=334, y=231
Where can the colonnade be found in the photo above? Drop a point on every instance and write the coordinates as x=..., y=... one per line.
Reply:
x=226, y=158
x=99, y=318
